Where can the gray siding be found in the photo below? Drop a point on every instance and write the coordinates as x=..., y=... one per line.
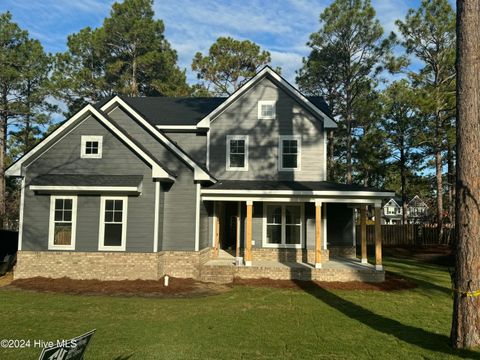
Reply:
x=64, y=158
x=195, y=144
x=241, y=118
x=178, y=205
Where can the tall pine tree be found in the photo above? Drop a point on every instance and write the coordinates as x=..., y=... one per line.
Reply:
x=429, y=34
x=128, y=55
x=351, y=47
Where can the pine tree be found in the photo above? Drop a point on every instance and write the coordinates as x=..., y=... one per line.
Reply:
x=429, y=35
x=347, y=55
x=466, y=279
x=229, y=64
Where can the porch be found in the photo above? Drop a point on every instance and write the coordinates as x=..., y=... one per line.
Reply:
x=224, y=270
x=304, y=231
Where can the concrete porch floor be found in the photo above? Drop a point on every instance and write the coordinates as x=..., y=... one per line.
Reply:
x=223, y=269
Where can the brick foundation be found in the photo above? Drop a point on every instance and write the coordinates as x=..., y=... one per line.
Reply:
x=182, y=264
x=88, y=265
x=109, y=265
x=343, y=251
x=287, y=255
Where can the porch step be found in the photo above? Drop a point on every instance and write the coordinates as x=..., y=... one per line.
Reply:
x=219, y=274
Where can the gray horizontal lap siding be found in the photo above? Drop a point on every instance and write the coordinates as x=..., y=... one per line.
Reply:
x=178, y=205
x=64, y=158
x=241, y=118
x=195, y=144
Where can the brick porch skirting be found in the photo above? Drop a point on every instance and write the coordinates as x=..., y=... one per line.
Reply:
x=287, y=255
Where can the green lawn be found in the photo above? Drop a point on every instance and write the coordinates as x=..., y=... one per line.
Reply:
x=247, y=323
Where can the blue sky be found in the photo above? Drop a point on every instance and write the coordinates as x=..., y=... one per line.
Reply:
x=281, y=27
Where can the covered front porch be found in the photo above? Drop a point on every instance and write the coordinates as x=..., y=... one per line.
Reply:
x=286, y=234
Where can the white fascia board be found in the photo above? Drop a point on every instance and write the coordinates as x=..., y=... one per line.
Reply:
x=205, y=122
x=157, y=170
x=291, y=199
x=199, y=173
x=392, y=200
x=299, y=193
x=177, y=127
x=84, y=188
x=16, y=168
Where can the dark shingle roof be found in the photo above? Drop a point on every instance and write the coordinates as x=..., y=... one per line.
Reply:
x=186, y=110
x=289, y=185
x=87, y=180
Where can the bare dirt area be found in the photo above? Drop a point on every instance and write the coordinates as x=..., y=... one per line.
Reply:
x=392, y=282
x=178, y=288
x=438, y=254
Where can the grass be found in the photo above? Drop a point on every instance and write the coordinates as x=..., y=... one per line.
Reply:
x=247, y=322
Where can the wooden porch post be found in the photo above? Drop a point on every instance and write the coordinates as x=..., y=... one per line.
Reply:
x=363, y=233
x=216, y=228
x=378, y=237
x=248, y=231
x=318, y=235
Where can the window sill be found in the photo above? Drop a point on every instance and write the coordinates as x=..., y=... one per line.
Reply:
x=283, y=246
x=62, y=247
x=111, y=248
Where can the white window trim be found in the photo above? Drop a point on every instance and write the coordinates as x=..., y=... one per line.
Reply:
x=86, y=138
x=51, y=228
x=237, y=137
x=265, y=244
x=299, y=152
x=267, y=102
x=101, y=234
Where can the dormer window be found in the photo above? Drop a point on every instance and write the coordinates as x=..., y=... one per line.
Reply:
x=91, y=147
x=266, y=109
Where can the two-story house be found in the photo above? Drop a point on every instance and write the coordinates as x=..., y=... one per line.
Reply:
x=417, y=211
x=141, y=187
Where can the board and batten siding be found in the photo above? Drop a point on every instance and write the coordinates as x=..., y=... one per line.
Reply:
x=178, y=199
x=241, y=118
x=64, y=158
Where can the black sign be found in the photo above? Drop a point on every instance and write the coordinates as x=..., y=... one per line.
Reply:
x=72, y=349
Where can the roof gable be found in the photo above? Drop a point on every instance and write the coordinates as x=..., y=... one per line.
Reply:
x=279, y=81
x=200, y=172
x=158, y=170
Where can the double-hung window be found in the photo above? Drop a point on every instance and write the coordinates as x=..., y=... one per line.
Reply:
x=283, y=225
x=113, y=223
x=91, y=147
x=63, y=218
x=237, y=152
x=289, y=153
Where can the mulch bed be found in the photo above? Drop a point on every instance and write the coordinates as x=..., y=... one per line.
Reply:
x=392, y=282
x=178, y=288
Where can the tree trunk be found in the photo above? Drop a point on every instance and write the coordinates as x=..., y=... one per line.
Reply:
x=3, y=142
x=466, y=315
x=403, y=180
x=438, y=175
x=451, y=182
